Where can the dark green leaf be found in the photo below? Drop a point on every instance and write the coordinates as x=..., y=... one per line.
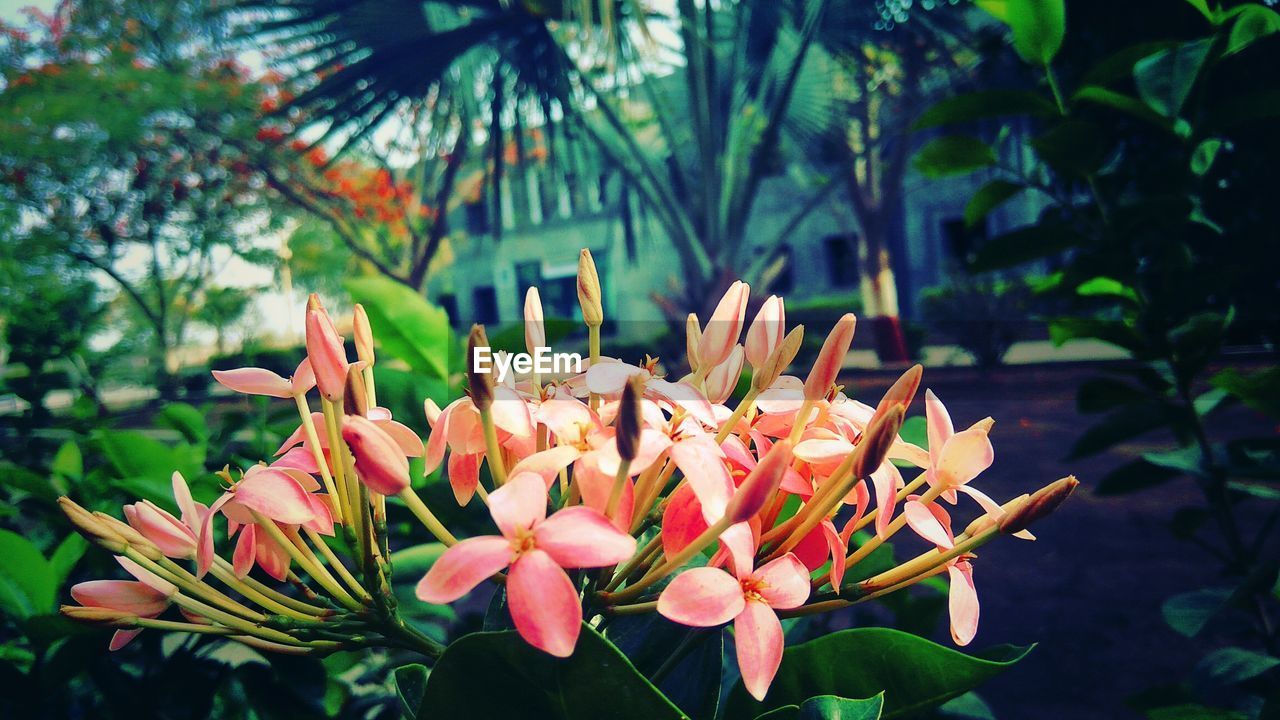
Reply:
x=913, y=673
x=829, y=707
x=496, y=674
x=1189, y=612
x=187, y=420
x=1252, y=23
x=1124, y=424
x=65, y=557
x=404, y=324
x=1193, y=712
x=68, y=462
x=1203, y=7
x=1074, y=147
x=1183, y=460
x=915, y=431
x=1119, y=66
x=27, y=584
x=411, y=687
x=650, y=642
x=953, y=155
x=417, y=560
x=1133, y=476
x=988, y=198
x=1106, y=287
x=1232, y=666
x=982, y=105
x=1244, y=109
x=1124, y=103
x=969, y=706
x=1023, y=245
x=1165, y=78
x=1260, y=391
x=1203, y=156
x=1103, y=393
x=1038, y=28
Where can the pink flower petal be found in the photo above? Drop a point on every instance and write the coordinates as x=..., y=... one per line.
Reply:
x=702, y=597
x=186, y=505
x=682, y=521
x=964, y=456
x=962, y=602
x=274, y=495
x=519, y=504
x=838, y=547
x=702, y=464
x=462, y=567
x=406, y=439
x=323, y=520
x=608, y=378
x=926, y=524
x=579, y=537
x=125, y=596
x=758, y=635
x=464, y=476
x=246, y=551
x=938, y=423
x=886, y=479
x=146, y=577
x=740, y=542
x=511, y=412
x=785, y=582
x=812, y=551
x=120, y=638
x=303, y=378
x=298, y=458
x=544, y=604
x=548, y=463
x=272, y=558
x=254, y=381
x=823, y=452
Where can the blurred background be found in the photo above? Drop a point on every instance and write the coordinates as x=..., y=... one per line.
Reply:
x=1070, y=219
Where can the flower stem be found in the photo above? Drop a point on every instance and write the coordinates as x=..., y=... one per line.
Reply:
x=492, y=450
x=426, y=517
x=313, y=441
x=335, y=563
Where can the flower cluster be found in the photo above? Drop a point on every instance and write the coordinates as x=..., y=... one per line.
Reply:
x=675, y=500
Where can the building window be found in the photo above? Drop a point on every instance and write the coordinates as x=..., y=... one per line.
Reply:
x=779, y=274
x=477, y=217
x=528, y=274
x=484, y=305
x=449, y=303
x=842, y=262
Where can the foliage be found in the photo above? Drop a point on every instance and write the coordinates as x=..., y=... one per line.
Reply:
x=1143, y=163
x=985, y=315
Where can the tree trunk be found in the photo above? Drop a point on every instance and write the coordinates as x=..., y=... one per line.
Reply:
x=879, y=291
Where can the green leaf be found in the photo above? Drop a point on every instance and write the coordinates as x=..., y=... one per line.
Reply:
x=1253, y=22
x=1262, y=492
x=988, y=198
x=953, y=155
x=417, y=560
x=983, y=105
x=1260, y=391
x=1203, y=156
x=1074, y=147
x=913, y=673
x=1023, y=245
x=1133, y=476
x=411, y=688
x=496, y=674
x=1106, y=287
x=144, y=466
x=27, y=584
x=969, y=706
x=65, y=557
x=1193, y=712
x=1183, y=460
x=829, y=707
x=1189, y=612
x=1126, y=423
x=1203, y=7
x=915, y=431
x=68, y=462
x=1038, y=28
x=188, y=421
x=1165, y=78
x=404, y=324
x=1232, y=666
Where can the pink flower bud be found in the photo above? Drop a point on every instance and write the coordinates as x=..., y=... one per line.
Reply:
x=724, y=327
x=328, y=357
x=535, y=333
x=830, y=359
x=363, y=334
x=589, y=290
x=760, y=486
x=168, y=533
x=724, y=377
x=766, y=331
x=692, y=337
x=380, y=462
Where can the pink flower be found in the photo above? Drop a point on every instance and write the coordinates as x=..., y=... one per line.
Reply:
x=535, y=334
x=544, y=602
x=722, y=330
x=260, y=381
x=707, y=596
x=379, y=460
x=932, y=523
x=328, y=356
x=830, y=359
x=148, y=597
x=766, y=331
x=955, y=458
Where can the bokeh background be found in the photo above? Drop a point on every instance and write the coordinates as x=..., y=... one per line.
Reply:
x=1069, y=218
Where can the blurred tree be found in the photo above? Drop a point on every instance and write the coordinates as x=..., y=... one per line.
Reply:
x=112, y=127
x=222, y=307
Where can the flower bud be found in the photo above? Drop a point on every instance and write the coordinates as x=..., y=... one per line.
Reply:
x=1041, y=503
x=355, y=394
x=725, y=325
x=779, y=360
x=724, y=377
x=363, y=334
x=876, y=440
x=328, y=357
x=535, y=331
x=692, y=336
x=100, y=615
x=481, y=384
x=432, y=411
x=135, y=539
x=379, y=461
x=629, y=420
x=830, y=359
x=766, y=331
x=761, y=484
x=903, y=390
x=987, y=521
x=589, y=290
x=168, y=533
x=93, y=529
